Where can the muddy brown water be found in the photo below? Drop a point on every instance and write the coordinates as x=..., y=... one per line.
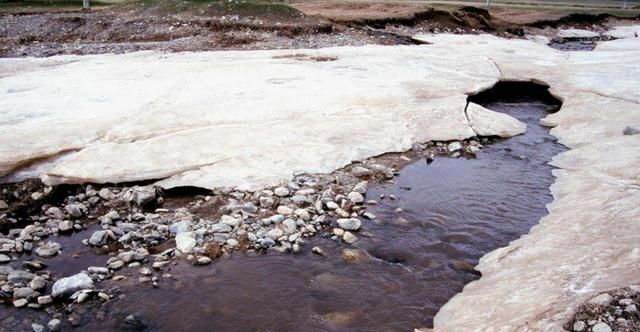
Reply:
x=453, y=211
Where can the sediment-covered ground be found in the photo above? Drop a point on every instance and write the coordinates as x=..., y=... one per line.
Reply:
x=268, y=124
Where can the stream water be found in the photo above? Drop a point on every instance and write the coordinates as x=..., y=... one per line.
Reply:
x=453, y=212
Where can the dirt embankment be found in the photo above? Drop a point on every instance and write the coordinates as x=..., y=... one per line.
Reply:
x=171, y=25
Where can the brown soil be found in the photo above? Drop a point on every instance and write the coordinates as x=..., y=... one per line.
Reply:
x=172, y=25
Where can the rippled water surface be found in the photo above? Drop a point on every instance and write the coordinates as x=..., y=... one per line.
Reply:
x=453, y=212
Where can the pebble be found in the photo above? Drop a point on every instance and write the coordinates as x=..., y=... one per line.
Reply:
x=20, y=303
x=54, y=325
x=369, y=215
x=99, y=238
x=332, y=205
x=204, y=260
x=145, y=271
x=317, y=251
x=46, y=299
x=284, y=210
x=360, y=171
x=601, y=327
x=37, y=327
x=579, y=326
x=303, y=214
x=281, y=192
x=76, y=210
x=185, y=242
x=38, y=283
x=350, y=224
x=106, y=194
x=49, y=249
x=65, y=226
x=355, y=197
x=4, y=259
x=349, y=238
x=602, y=300
x=3, y=205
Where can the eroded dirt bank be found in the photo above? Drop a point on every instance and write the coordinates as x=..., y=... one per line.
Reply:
x=174, y=26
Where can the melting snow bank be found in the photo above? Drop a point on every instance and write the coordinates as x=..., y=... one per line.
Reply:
x=251, y=119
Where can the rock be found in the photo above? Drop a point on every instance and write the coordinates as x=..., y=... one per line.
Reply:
x=274, y=234
x=38, y=283
x=317, y=251
x=49, y=249
x=290, y=226
x=69, y=285
x=65, y=226
x=454, y=146
x=98, y=270
x=299, y=199
x=266, y=202
x=46, y=299
x=630, y=131
x=20, y=276
x=204, y=260
x=54, y=325
x=601, y=300
x=355, y=197
x=145, y=271
x=180, y=227
x=349, y=238
x=221, y=228
x=631, y=308
x=76, y=210
x=4, y=259
x=231, y=221
x=281, y=192
x=360, y=171
x=355, y=256
x=332, y=205
x=386, y=172
x=116, y=265
x=185, y=242
x=361, y=187
x=134, y=323
x=369, y=215
x=140, y=196
x=55, y=213
x=132, y=256
x=349, y=224
x=99, y=238
x=284, y=210
x=106, y=194
x=267, y=243
x=25, y=293
x=20, y=303
x=302, y=214
x=3, y=205
x=37, y=327
x=625, y=302
x=233, y=243
x=601, y=327
x=486, y=122
x=338, y=231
